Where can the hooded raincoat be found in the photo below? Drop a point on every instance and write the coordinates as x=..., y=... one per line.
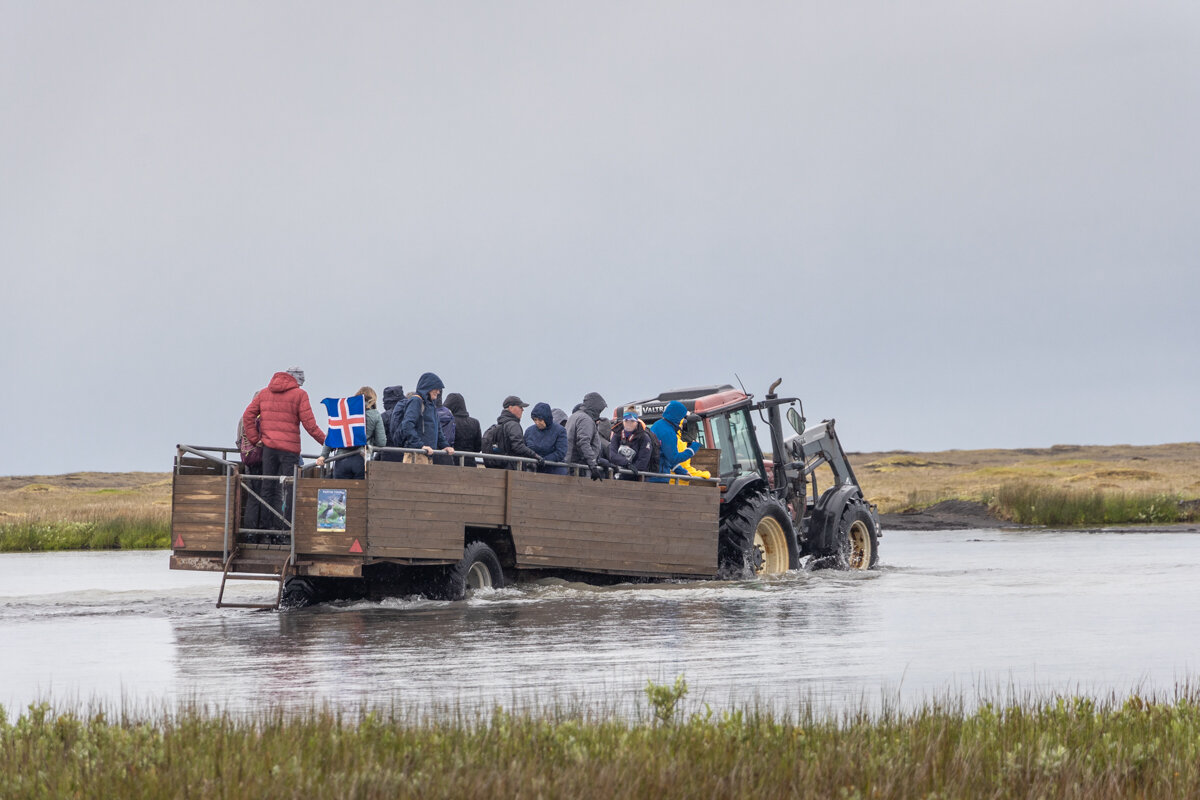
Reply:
x=550, y=443
x=283, y=408
x=419, y=426
x=467, y=435
x=584, y=444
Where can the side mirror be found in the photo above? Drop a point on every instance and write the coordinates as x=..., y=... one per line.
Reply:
x=795, y=420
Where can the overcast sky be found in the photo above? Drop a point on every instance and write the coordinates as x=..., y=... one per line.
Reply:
x=948, y=224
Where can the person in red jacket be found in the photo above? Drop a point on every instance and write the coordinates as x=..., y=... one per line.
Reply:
x=282, y=408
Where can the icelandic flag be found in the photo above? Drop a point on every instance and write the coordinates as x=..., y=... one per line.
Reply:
x=347, y=421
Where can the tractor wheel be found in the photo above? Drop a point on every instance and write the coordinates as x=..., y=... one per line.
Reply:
x=298, y=593
x=856, y=543
x=757, y=538
x=478, y=569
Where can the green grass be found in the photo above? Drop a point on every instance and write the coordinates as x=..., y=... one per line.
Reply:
x=126, y=533
x=1031, y=504
x=1057, y=747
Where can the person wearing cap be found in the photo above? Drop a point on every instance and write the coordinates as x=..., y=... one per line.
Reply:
x=629, y=447
x=282, y=408
x=584, y=444
x=547, y=438
x=510, y=438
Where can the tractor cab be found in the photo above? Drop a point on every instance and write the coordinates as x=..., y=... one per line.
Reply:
x=719, y=418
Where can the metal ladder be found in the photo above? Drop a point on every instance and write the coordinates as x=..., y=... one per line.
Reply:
x=261, y=562
x=256, y=562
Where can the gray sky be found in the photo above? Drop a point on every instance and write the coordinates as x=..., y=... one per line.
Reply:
x=949, y=224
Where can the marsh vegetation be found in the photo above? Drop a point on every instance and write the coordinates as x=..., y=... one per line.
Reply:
x=1072, y=747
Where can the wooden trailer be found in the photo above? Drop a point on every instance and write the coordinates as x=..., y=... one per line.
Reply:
x=442, y=529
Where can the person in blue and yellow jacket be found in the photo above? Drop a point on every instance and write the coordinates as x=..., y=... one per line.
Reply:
x=674, y=454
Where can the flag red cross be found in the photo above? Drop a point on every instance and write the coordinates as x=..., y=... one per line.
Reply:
x=345, y=423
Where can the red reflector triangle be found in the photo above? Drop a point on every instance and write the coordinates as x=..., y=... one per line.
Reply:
x=178, y=540
x=356, y=547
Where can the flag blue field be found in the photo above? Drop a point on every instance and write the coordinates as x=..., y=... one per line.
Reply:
x=347, y=421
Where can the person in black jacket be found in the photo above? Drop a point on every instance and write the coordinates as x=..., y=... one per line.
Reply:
x=511, y=440
x=629, y=447
x=392, y=397
x=467, y=434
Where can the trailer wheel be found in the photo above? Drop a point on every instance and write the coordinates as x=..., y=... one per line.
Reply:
x=478, y=569
x=298, y=593
x=857, y=541
x=757, y=538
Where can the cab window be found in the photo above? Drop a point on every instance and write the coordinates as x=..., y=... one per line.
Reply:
x=741, y=436
x=734, y=436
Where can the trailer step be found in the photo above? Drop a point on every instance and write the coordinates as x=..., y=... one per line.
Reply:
x=253, y=569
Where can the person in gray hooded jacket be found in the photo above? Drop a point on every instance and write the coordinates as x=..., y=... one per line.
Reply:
x=584, y=445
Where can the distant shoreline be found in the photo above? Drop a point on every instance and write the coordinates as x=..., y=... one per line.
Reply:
x=1112, y=488
x=954, y=515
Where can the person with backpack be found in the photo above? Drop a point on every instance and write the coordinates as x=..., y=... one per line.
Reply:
x=392, y=396
x=416, y=426
x=584, y=443
x=505, y=437
x=468, y=436
x=547, y=438
x=446, y=420
x=253, y=512
x=630, y=446
x=283, y=407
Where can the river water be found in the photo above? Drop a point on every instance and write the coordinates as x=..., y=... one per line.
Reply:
x=971, y=614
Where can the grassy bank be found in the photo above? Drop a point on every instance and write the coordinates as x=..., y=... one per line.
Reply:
x=126, y=533
x=1064, y=747
x=1030, y=504
x=85, y=511
x=1061, y=485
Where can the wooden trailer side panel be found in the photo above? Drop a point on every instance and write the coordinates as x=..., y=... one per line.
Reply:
x=614, y=526
x=422, y=510
x=198, y=511
x=313, y=540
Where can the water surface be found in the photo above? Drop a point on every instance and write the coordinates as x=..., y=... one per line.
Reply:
x=957, y=613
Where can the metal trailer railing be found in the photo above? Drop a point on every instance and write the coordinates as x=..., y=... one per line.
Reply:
x=371, y=453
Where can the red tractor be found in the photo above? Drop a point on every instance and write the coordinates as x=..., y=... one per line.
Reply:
x=773, y=513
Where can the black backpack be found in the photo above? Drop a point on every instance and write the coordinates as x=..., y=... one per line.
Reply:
x=397, y=416
x=655, y=447
x=494, y=441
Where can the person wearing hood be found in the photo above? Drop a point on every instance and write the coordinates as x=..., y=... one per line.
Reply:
x=419, y=428
x=673, y=451
x=560, y=417
x=547, y=438
x=584, y=444
x=468, y=436
x=629, y=447
x=446, y=420
x=392, y=396
x=281, y=408
x=509, y=437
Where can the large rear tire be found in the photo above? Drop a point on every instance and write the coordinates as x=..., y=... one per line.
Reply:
x=479, y=569
x=757, y=538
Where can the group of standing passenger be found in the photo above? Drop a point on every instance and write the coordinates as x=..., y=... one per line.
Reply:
x=421, y=421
